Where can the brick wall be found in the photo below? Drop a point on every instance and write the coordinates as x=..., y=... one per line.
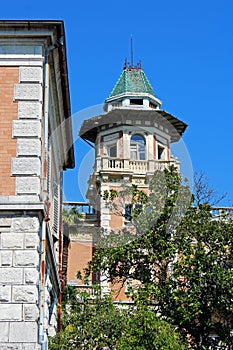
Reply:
x=8, y=112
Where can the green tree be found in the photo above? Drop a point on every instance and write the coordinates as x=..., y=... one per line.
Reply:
x=71, y=216
x=181, y=257
x=94, y=322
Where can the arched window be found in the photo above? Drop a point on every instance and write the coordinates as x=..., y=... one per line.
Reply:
x=137, y=147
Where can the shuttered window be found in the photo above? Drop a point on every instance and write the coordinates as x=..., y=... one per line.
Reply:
x=56, y=200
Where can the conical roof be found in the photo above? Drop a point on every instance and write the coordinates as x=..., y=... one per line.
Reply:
x=132, y=80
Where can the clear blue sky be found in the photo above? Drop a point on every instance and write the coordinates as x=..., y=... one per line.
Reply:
x=186, y=48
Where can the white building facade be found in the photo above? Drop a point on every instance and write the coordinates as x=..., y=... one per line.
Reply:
x=35, y=148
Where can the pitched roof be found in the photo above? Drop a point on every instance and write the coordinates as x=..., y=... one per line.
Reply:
x=132, y=80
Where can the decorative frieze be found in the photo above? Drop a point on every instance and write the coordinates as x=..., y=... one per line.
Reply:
x=23, y=128
x=29, y=110
x=25, y=166
x=30, y=74
x=28, y=147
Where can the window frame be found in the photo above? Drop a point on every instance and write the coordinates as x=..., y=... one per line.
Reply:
x=135, y=147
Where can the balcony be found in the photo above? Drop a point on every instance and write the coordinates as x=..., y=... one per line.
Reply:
x=120, y=165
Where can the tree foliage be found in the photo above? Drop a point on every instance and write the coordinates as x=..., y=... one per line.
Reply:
x=179, y=257
x=92, y=322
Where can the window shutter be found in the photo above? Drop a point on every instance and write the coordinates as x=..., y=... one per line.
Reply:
x=56, y=210
x=48, y=168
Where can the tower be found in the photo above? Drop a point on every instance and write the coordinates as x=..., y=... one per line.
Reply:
x=132, y=140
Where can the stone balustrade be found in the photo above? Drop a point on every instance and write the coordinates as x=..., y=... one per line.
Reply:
x=222, y=212
x=137, y=166
x=80, y=207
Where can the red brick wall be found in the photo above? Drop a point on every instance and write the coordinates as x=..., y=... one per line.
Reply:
x=8, y=112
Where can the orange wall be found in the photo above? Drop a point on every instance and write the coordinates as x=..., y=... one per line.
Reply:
x=80, y=253
x=8, y=112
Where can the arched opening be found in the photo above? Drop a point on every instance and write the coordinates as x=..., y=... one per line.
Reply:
x=137, y=147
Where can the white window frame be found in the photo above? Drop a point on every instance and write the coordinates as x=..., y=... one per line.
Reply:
x=109, y=142
x=135, y=151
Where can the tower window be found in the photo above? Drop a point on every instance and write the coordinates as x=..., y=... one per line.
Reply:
x=112, y=151
x=152, y=105
x=136, y=101
x=137, y=147
x=161, y=152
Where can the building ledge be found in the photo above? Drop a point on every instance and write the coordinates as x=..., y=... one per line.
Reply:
x=21, y=203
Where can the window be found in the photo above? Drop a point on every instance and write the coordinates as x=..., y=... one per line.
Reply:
x=161, y=152
x=128, y=212
x=56, y=208
x=132, y=209
x=112, y=150
x=137, y=147
x=136, y=101
x=152, y=105
x=110, y=144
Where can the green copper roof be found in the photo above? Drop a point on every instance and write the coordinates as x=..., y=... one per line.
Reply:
x=132, y=80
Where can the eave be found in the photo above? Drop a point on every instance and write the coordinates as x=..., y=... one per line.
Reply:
x=118, y=117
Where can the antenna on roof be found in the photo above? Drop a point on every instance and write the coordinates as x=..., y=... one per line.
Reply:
x=130, y=65
x=131, y=49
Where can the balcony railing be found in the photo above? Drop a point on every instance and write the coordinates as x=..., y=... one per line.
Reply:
x=136, y=166
x=222, y=212
x=81, y=207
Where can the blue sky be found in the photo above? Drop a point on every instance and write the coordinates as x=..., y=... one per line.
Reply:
x=186, y=50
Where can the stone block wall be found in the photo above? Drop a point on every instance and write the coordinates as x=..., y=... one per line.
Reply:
x=20, y=182
x=27, y=130
x=19, y=282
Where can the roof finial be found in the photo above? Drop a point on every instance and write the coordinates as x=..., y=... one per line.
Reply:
x=130, y=65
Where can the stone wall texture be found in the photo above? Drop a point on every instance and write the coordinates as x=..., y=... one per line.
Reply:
x=19, y=282
x=20, y=176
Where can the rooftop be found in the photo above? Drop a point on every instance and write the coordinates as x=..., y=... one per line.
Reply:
x=132, y=80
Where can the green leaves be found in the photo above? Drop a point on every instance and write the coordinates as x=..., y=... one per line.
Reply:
x=93, y=322
x=181, y=256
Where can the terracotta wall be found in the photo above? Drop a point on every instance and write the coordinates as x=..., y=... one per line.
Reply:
x=79, y=254
x=8, y=112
